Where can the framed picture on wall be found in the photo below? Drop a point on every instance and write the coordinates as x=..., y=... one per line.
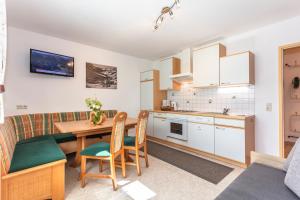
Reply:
x=101, y=76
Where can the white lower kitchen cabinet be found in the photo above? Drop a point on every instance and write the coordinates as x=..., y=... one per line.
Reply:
x=230, y=143
x=161, y=127
x=150, y=124
x=201, y=136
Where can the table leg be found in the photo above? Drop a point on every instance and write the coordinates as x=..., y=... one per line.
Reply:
x=80, y=147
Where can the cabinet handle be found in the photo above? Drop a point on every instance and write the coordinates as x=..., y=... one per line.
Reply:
x=225, y=83
x=220, y=128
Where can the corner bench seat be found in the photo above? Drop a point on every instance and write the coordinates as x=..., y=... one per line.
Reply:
x=32, y=154
x=258, y=182
x=35, y=153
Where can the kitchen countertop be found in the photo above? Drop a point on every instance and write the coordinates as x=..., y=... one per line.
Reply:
x=207, y=114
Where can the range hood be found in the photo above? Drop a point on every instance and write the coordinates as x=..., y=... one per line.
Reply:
x=186, y=77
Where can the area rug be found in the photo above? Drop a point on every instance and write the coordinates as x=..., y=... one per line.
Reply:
x=205, y=169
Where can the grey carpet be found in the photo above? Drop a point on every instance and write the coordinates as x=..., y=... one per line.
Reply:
x=205, y=169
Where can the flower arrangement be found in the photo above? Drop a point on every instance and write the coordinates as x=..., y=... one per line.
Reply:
x=96, y=116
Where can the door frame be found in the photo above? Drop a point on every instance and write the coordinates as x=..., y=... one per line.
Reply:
x=281, y=93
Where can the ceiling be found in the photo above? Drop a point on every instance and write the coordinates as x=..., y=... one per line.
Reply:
x=126, y=26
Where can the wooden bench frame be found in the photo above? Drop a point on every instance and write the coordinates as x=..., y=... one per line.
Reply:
x=42, y=182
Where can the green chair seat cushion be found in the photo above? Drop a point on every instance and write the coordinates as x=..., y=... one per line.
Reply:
x=64, y=137
x=27, y=155
x=98, y=149
x=129, y=140
x=35, y=139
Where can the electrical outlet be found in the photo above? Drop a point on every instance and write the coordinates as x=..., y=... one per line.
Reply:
x=269, y=107
x=21, y=107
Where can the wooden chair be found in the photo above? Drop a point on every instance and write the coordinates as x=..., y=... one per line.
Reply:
x=135, y=143
x=108, y=152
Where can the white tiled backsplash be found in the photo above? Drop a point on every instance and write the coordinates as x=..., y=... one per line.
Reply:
x=240, y=100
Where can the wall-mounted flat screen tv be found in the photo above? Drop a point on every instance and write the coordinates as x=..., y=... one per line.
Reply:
x=51, y=63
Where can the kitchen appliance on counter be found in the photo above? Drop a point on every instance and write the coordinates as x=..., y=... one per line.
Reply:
x=178, y=128
x=174, y=105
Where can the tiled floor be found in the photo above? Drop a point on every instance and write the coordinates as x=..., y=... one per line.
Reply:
x=160, y=181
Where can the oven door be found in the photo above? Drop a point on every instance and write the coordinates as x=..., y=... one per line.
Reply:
x=178, y=129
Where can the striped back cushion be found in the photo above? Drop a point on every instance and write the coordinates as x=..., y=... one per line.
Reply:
x=8, y=141
x=32, y=125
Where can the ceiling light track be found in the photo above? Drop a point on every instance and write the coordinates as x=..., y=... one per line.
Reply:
x=166, y=11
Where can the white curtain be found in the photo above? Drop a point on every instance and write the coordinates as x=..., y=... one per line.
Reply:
x=3, y=45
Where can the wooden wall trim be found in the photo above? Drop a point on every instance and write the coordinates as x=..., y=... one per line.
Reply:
x=281, y=94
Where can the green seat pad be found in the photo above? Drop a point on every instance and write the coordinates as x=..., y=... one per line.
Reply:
x=64, y=137
x=36, y=139
x=27, y=155
x=98, y=149
x=129, y=140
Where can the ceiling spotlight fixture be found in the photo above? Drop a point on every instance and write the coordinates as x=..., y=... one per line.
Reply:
x=164, y=11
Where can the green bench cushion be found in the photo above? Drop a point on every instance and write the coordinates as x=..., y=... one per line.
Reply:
x=64, y=137
x=98, y=149
x=27, y=155
x=35, y=139
x=129, y=140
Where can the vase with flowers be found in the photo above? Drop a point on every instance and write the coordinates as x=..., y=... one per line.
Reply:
x=97, y=116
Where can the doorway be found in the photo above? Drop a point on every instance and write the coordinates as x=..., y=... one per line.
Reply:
x=289, y=97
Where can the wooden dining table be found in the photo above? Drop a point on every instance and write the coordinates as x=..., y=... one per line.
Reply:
x=83, y=128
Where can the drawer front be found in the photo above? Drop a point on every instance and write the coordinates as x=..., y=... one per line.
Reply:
x=200, y=119
x=230, y=122
x=160, y=115
x=230, y=143
x=145, y=76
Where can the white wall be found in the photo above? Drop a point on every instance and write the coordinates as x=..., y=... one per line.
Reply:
x=46, y=93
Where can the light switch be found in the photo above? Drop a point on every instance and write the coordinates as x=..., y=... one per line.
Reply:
x=269, y=107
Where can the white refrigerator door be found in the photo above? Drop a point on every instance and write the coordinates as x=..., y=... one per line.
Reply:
x=146, y=95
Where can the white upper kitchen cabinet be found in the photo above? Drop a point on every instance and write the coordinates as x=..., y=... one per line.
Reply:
x=168, y=67
x=206, y=65
x=237, y=69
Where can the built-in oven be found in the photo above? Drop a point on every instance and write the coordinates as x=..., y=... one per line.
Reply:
x=178, y=128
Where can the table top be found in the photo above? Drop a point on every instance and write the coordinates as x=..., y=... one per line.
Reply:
x=85, y=127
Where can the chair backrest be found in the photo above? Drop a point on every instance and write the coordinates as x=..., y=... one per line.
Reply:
x=117, y=134
x=142, y=126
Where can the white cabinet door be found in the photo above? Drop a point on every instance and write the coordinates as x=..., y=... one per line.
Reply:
x=201, y=136
x=165, y=71
x=230, y=143
x=206, y=66
x=150, y=124
x=161, y=128
x=146, y=96
x=147, y=75
x=235, y=69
